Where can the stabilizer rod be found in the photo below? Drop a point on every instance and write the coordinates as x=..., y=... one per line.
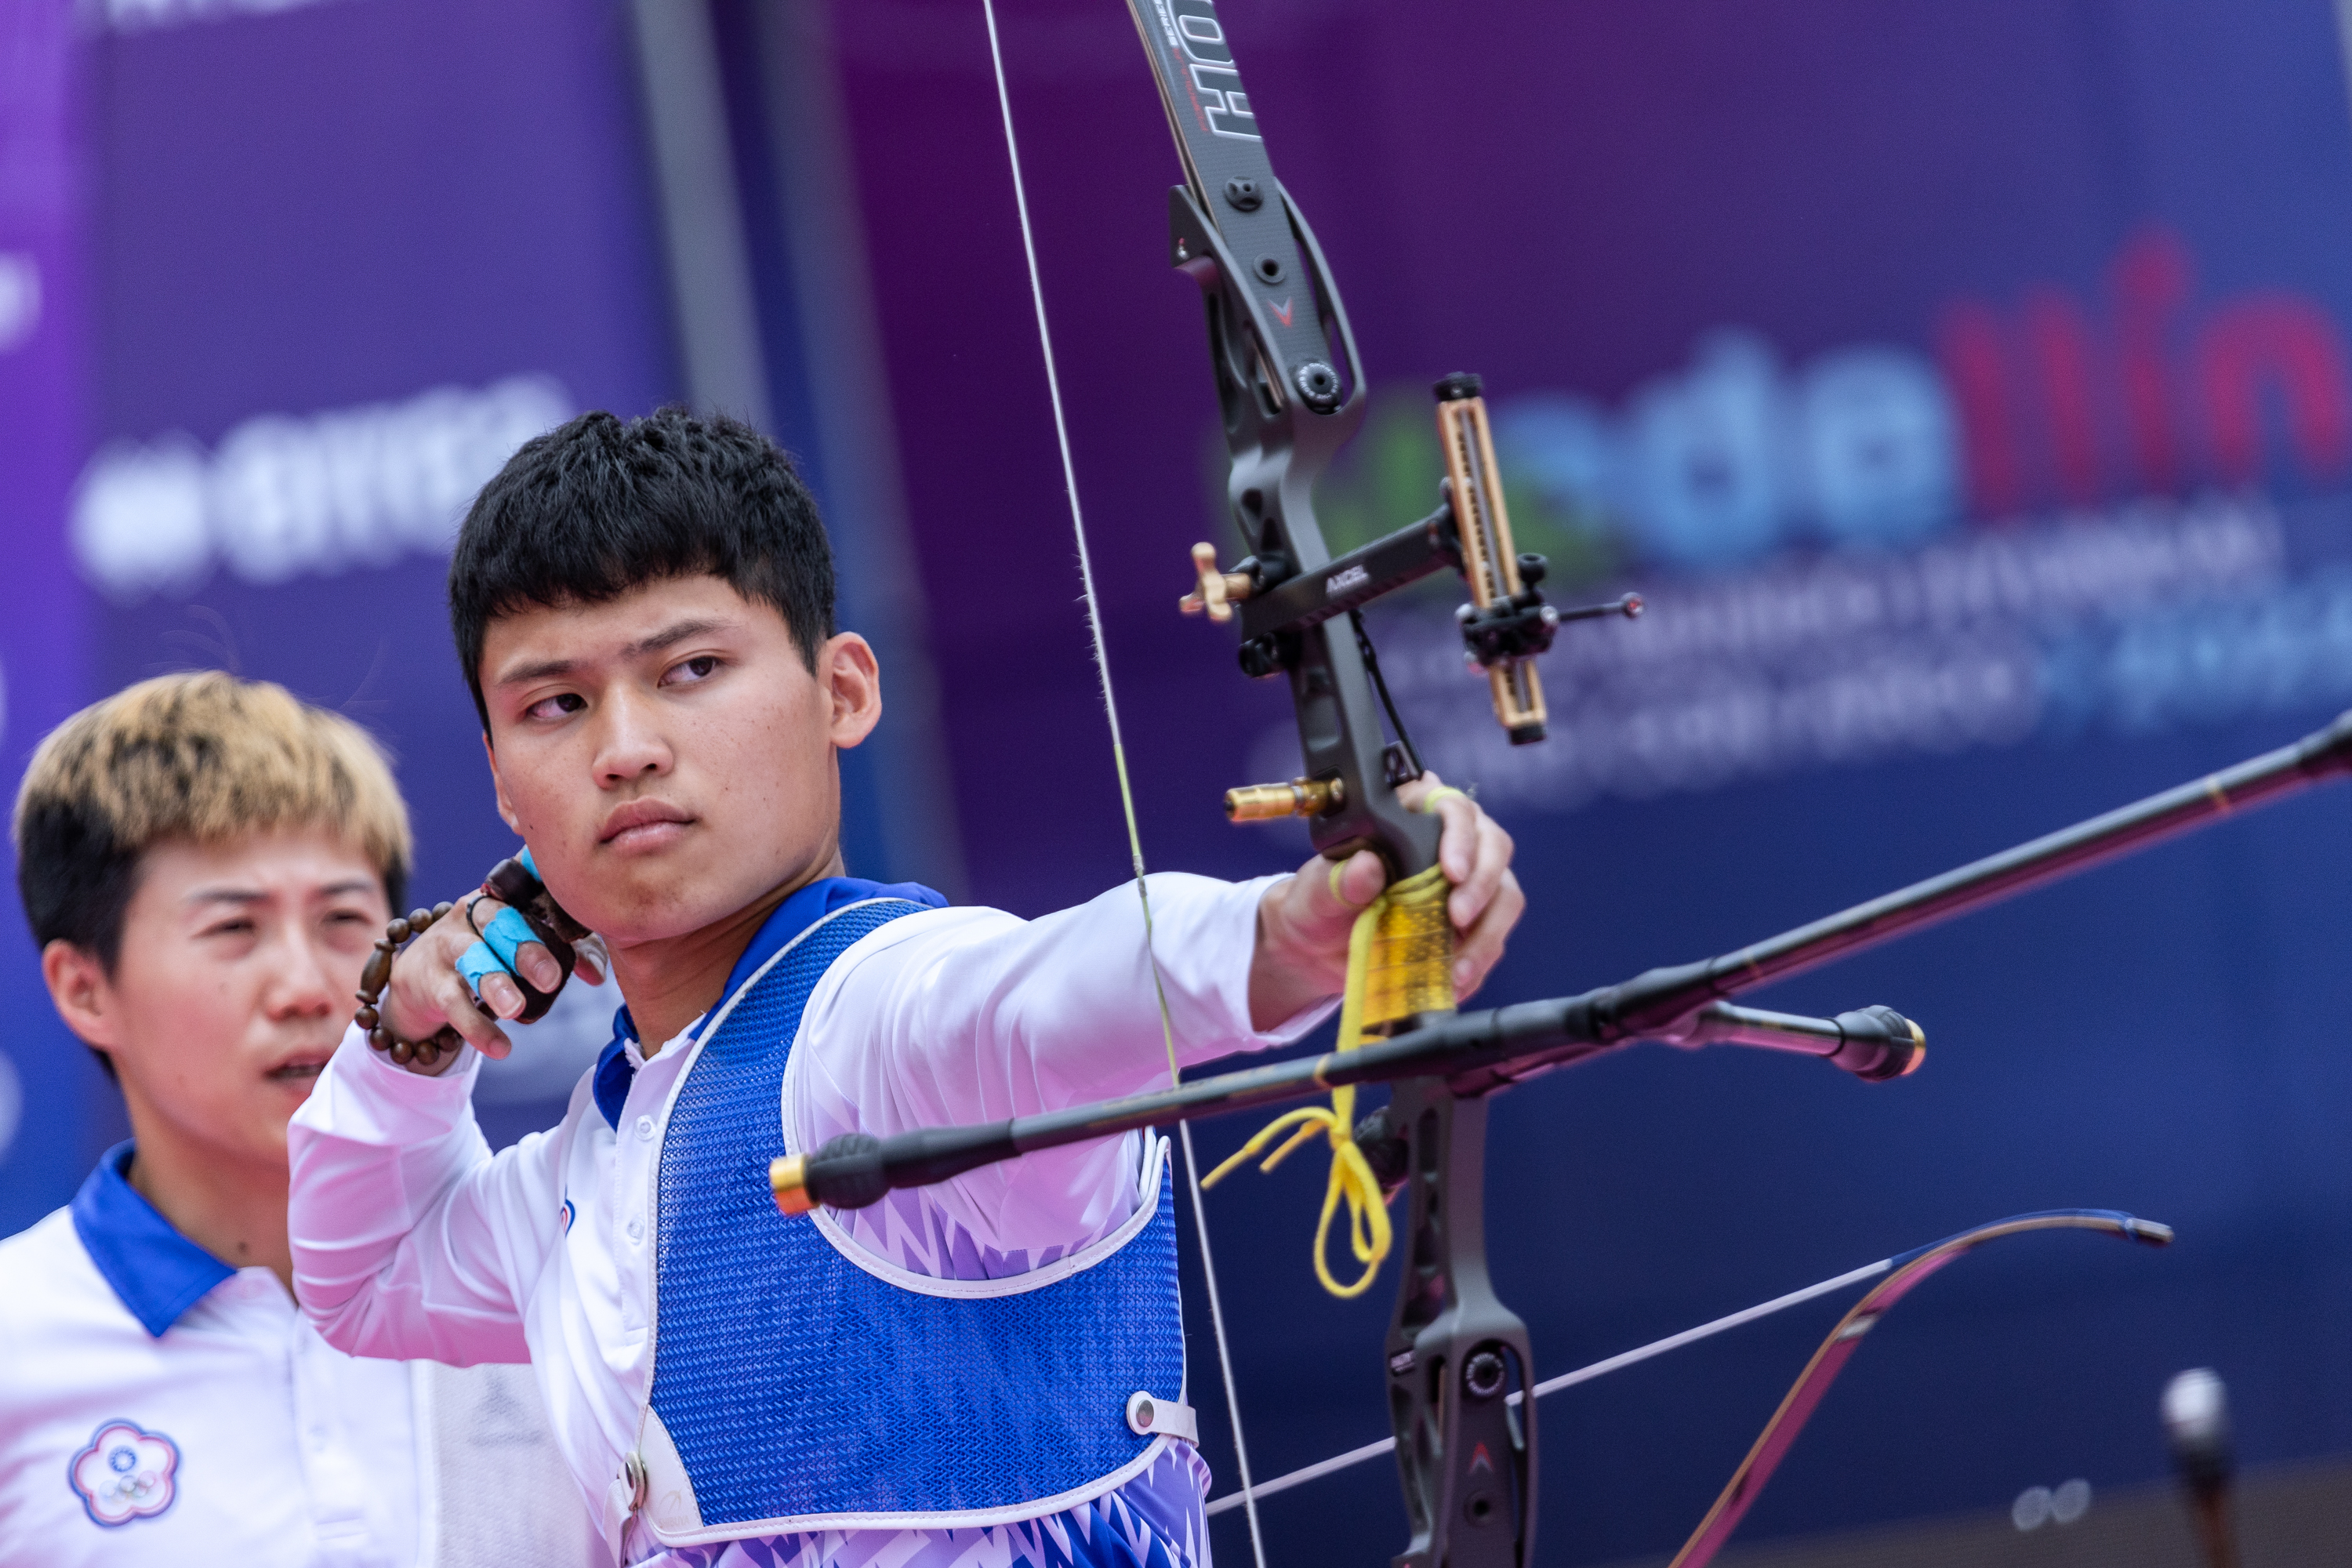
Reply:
x=1652, y=1001
x=856, y=1168
x=1479, y=1052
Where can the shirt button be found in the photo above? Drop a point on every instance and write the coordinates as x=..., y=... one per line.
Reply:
x=637, y=1228
x=645, y=1129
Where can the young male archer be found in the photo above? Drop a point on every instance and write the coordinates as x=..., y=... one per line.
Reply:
x=645, y=610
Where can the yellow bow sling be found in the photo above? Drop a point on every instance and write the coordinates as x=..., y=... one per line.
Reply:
x=1399, y=962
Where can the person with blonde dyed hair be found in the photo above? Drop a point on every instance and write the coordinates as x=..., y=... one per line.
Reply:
x=205, y=863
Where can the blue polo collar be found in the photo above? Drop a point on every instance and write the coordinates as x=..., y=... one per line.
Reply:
x=802, y=909
x=157, y=1272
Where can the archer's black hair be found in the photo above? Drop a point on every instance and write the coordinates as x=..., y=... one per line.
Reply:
x=600, y=506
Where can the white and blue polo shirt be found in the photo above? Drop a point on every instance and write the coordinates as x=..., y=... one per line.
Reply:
x=159, y=1407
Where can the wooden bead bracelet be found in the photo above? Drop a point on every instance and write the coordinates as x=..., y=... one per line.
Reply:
x=378, y=975
x=510, y=882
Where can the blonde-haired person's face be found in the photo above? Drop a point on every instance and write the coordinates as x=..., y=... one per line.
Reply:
x=236, y=978
x=667, y=756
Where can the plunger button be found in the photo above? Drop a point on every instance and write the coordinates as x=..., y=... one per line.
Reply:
x=1215, y=590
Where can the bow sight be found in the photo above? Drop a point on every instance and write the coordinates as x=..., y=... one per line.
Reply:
x=1505, y=624
x=1291, y=390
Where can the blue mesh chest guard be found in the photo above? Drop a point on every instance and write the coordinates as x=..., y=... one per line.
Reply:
x=802, y=1383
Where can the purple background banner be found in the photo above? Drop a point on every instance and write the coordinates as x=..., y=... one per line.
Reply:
x=47, y=1092
x=1966, y=389
x=322, y=326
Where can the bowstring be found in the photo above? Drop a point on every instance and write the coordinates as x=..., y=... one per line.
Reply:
x=1119, y=760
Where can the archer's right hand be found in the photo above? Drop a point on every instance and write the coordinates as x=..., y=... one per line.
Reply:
x=428, y=988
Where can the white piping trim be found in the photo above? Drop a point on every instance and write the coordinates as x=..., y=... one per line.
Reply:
x=424, y=1436
x=966, y=1519
x=777, y=957
x=1061, y=1269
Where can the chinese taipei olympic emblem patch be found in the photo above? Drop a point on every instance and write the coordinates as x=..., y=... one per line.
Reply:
x=126, y=1473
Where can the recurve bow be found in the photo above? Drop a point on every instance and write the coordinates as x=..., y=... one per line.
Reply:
x=1291, y=390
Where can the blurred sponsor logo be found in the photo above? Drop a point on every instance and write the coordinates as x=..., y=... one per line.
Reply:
x=11, y=1104
x=1727, y=460
x=283, y=496
x=142, y=16
x=20, y=298
x=2124, y=456
x=2137, y=619
x=2051, y=401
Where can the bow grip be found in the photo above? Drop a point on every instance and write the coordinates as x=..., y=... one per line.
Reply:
x=512, y=884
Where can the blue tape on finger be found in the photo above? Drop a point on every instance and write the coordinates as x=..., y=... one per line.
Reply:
x=476, y=963
x=528, y=863
x=506, y=933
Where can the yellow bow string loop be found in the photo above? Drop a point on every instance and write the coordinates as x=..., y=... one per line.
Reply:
x=1399, y=962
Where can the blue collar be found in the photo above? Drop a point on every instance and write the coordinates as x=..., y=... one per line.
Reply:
x=802, y=909
x=158, y=1273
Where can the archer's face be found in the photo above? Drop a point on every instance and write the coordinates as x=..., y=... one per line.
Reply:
x=667, y=756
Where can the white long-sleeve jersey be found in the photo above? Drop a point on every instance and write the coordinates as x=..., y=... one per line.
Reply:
x=412, y=1239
